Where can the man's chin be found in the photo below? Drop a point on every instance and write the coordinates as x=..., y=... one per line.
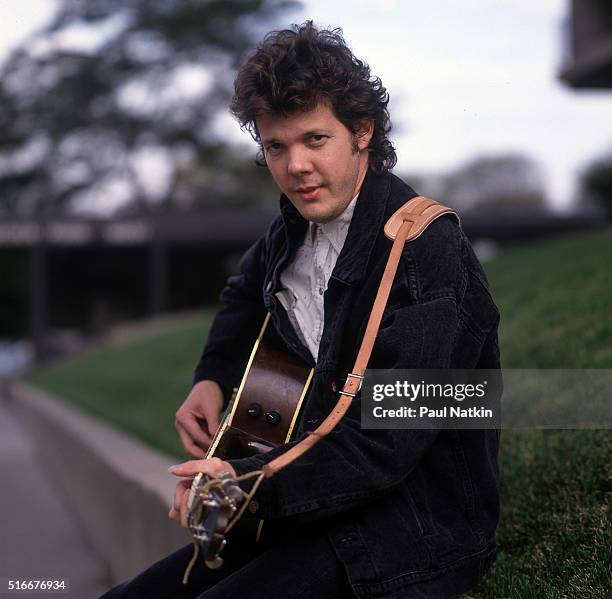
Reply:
x=309, y=210
x=316, y=211
x=310, y=213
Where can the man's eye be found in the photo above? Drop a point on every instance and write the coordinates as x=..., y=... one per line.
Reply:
x=273, y=147
x=317, y=139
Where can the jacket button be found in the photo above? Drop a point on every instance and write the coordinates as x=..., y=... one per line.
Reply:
x=253, y=506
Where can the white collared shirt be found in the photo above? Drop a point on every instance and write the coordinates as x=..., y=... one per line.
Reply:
x=305, y=279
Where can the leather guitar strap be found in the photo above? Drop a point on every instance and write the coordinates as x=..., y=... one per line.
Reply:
x=405, y=224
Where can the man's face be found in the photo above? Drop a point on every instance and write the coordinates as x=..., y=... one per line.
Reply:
x=315, y=160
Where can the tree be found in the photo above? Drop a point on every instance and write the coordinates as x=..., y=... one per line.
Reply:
x=78, y=120
x=494, y=183
x=596, y=183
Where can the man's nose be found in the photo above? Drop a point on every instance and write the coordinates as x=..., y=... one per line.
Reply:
x=299, y=163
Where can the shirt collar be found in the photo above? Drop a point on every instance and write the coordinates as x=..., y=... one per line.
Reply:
x=366, y=224
x=335, y=230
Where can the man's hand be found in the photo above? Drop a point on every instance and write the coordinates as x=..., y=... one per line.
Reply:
x=198, y=418
x=212, y=467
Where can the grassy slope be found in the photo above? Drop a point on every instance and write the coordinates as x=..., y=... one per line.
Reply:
x=555, y=534
x=137, y=386
x=555, y=299
x=556, y=302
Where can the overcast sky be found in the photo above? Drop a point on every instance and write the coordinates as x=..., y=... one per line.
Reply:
x=466, y=77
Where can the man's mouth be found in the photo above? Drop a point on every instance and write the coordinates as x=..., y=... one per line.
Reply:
x=308, y=192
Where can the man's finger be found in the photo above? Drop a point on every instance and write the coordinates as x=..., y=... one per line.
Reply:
x=184, y=510
x=212, y=467
x=190, y=447
x=194, y=429
x=211, y=415
x=180, y=490
x=191, y=468
x=190, y=422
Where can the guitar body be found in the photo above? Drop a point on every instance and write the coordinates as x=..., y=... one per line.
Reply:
x=264, y=410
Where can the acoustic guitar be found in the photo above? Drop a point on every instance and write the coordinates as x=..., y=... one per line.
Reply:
x=261, y=415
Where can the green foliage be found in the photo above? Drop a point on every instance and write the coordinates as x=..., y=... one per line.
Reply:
x=494, y=183
x=76, y=121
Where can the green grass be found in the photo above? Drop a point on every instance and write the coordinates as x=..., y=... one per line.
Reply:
x=555, y=298
x=138, y=386
x=555, y=536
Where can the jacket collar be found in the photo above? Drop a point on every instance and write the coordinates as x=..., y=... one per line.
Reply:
x=366, y=224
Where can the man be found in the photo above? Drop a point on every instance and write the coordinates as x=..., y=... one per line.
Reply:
x=393, y=513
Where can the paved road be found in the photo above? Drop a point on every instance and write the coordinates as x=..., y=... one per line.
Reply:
x=39, y=538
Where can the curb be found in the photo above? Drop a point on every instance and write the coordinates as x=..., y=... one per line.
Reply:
x=118, y=488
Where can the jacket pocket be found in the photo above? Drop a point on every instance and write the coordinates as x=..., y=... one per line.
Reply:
x=422, y=521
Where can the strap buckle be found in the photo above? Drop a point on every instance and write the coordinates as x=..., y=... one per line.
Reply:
x=355, y=376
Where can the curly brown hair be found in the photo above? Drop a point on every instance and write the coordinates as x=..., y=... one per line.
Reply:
x=296, y=69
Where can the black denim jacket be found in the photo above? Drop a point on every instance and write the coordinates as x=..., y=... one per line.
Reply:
x=402, y=508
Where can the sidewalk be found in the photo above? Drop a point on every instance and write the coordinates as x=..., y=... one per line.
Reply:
x=39, y=538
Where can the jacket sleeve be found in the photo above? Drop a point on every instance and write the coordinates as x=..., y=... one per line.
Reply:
x=237, y=323
x=351, y=466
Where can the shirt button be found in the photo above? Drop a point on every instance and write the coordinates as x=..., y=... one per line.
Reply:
x=321, y=291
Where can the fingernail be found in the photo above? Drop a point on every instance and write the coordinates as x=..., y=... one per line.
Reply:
x=175, y=467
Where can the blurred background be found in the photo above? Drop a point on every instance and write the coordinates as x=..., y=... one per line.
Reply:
x=127, y=195
x=117, y=148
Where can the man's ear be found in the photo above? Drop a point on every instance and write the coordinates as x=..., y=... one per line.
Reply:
x=364, y=132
